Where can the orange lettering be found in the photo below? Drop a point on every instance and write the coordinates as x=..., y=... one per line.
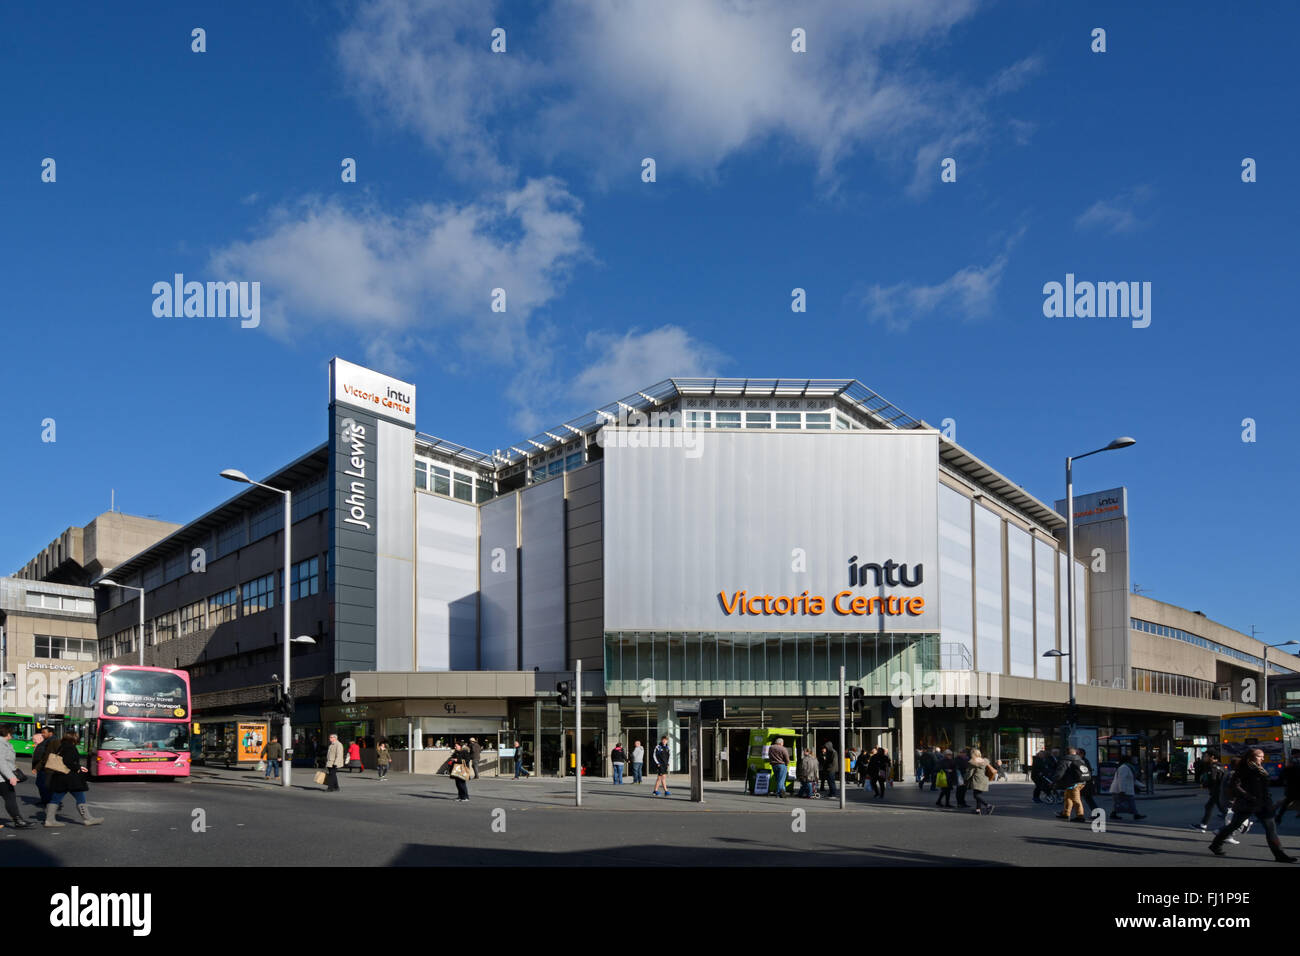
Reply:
x=817, y=604
x=915, y=605
x=836, y=602
x=749, y=605
x=858, y=605
x=729, y=606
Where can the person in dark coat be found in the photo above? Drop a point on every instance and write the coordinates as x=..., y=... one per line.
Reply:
x=1291, y=781
x=461, y=755
x=878, y=769
x=863, y=766
x=1251, y=797
x=1211, y=780
x=948, y=767
x=927, y=765
x=44, y=736
x=829, y=765
x=475, y=748
x=73, y=782
x=962, y=760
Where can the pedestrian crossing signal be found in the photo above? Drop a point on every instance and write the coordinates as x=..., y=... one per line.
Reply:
x=562, y=688
x=857, y=700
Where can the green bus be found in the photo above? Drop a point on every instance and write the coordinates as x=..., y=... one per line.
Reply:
x=24, y=728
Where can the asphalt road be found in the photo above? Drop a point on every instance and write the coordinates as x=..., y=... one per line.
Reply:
x=416, y=821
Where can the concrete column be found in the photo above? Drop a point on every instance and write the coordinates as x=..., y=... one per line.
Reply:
x=907, y=741
x=666, y=723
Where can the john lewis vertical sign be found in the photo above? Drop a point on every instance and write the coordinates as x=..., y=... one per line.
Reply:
x=366, y=409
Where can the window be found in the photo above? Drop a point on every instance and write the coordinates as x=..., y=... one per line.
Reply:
x=463, y=486
x=573, y=461
x=758, y=419
x=222, y=607
x=842, y=422
x=259, y=594
x=485, y=491
x=787, y=420
x=539, y=474
x=818, y=420
x=421, y=475
x=554, y=468
x=728, y=419
x=304, y=579
x=441, y=483
x=66, y=648
x=699, y=419
x=164, y=628
x=57, y=602
x=193, y=617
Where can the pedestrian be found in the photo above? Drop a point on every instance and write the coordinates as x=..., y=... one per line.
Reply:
x=460, y=771
x=1211, y=780
x=830, y=768
x=475, y=748
x=806, y=773
x=1251, y=797
x=979, y=775
x=1089, y=786
x=879, y=772
x=1123, y=789
x=354, y=756
x=947, y=778
x=662, y=759
x=864, y=765
x=273, y=753
x=44, y=736
x=920, y=767
x=9, y=778
x=1291, y=782
x=779, y=758
x=519, y=761
x=1039, y=775
x=618, y=757
x=1071, y=775
x=383, y=758
x=638, y=761
x=333, y=764
x=1227, y=787
x=930, y=761
x=962, y=760
x=67, y=775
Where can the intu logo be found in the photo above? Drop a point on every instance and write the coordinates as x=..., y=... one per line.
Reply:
x=884, y=574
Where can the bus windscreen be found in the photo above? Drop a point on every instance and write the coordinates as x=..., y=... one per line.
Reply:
x=130, y=693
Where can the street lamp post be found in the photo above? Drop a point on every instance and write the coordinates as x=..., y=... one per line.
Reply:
x=1071, y=712
x=127, y=587
x=1264, y=687
x=286, y=740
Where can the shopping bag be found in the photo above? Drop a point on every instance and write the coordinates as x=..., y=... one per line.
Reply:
x=261, y=766
x=941, y=780
x=320, y=776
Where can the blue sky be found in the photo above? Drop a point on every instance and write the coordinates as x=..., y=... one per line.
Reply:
x=775, y=170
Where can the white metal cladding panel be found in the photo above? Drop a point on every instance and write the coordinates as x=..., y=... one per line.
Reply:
x=681, y=525
x=1020, y=588
x=1081, y=623
x=447, y=551
x=498, y=589
x=542, y=568
x=988, y=591
x=1045, y=609
x=955, y=568
x=395, y=548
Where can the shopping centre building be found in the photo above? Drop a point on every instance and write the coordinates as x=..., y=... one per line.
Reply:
x=704, y=538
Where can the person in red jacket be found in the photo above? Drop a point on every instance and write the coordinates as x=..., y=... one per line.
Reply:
x=354, y=757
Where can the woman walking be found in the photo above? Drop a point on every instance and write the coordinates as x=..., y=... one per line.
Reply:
x=864, y=766
x=947, y=779
x=460, y=758
x=878, y=767
x=383, y=757
x=354, y=756
x=67, y=775
x=978, y=779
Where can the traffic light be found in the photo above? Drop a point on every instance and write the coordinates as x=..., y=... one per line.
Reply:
x=287, y=705
x=277, y=700
x=857, y=700
x=562, y=688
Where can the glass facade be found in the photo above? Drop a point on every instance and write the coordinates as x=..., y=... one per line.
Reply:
x=955, y=574
x=988, y=591
x=1044, y=609
x=1020, y=591
x=672, y=664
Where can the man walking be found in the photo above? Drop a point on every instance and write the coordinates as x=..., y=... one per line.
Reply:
x=273, y=753
x=475, y=748
x=806, y=773
x=519, y=761
x=779, y=758
x=638, y=761
x=962, y=760
x=1071, y=775
x=1089, y=783
x=1124, y=789
x=618, y=757
x=39, y=753
x=662, y=759
x=9, y=778
x=1211, y=780
x=1251, y=797
x=333, y=763
x=829, y=768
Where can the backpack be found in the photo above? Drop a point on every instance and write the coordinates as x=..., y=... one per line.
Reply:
x=1084, y=774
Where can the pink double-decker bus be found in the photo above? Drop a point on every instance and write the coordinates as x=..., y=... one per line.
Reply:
x=133, y=721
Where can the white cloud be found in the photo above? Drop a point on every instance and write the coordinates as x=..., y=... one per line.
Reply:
x=968, y=293
x=622, y=363
x=689, y=82
x=1117, y=214
x=418, y=281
